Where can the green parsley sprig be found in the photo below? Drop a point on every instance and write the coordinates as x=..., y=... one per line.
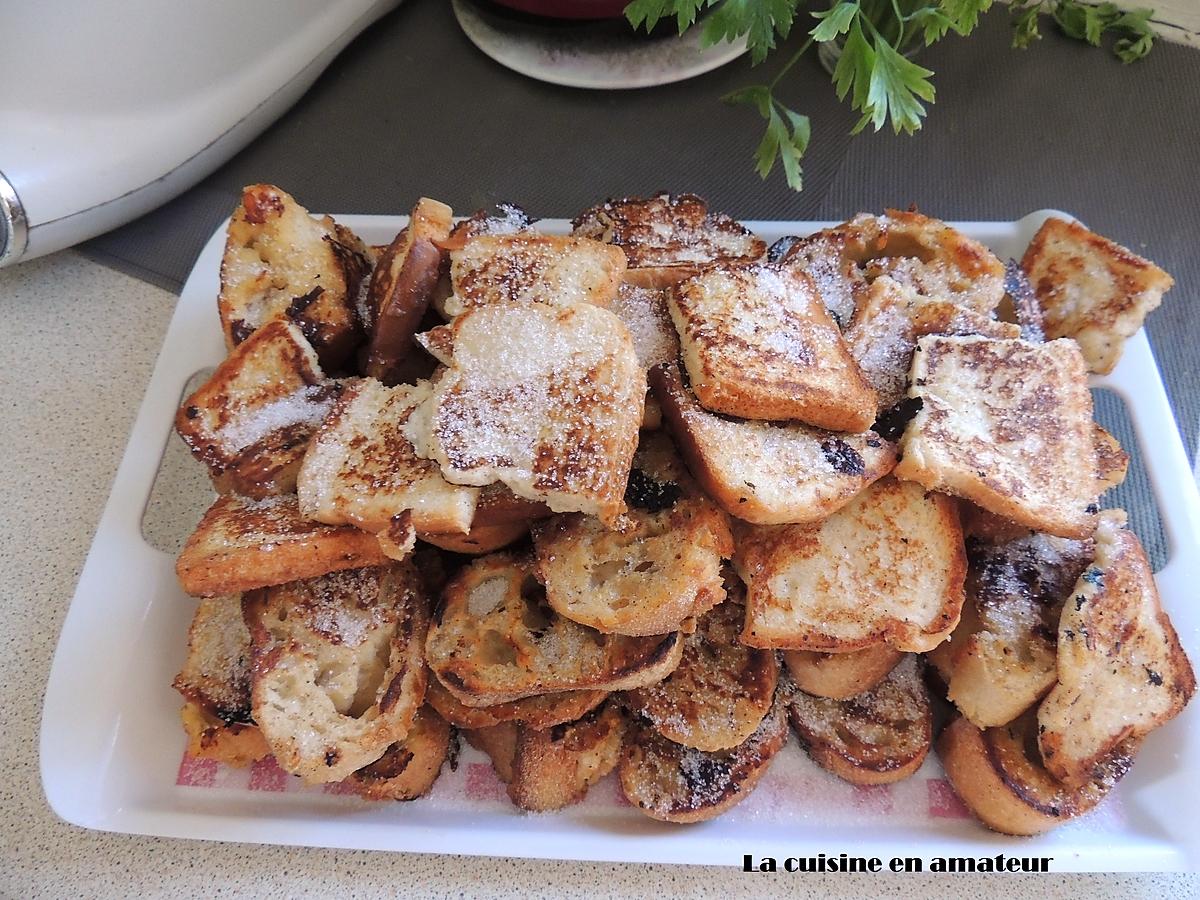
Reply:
x=873, y=69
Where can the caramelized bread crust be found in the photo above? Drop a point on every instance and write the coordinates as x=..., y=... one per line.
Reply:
x=539, y=713
x=840, y=676
x=408, y=768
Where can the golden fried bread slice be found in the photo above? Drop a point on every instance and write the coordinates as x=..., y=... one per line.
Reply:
x=643, y=311
x=237, y=744
x=1122, y=671
x=758, y=343
x=887, y=322
x=720, y=692
x=251, y=421
x=480, y=539
x=826, y=259
x=998, y=774
x=528, y=268
x=1005, y=651
x=242, y=544
x=887, y=568
x=538, y=712
x=667, y=238
x=1091, y=289
x=1112, y=462
x=408, y=768
x=215, y=683
x=400, y=290
x=878, y=737
x=661, y=567
x=673, y=783
x=282, y=264
x=764, y=472
x=840, y=676
x=360, y=469
x=1007, y=425
x=495, y=639
x=338, y=672
x=553, y=768
x=547, y=400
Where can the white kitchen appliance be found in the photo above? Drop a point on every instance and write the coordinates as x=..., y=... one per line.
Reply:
x=108, y=108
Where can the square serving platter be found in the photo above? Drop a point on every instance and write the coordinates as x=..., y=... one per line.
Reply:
x=112, y=748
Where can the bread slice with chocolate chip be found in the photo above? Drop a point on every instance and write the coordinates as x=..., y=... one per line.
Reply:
x=768, y=473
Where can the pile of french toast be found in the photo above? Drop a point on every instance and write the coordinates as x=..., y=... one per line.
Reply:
x=653, y=495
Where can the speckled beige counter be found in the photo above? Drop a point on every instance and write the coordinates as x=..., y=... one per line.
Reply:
x=78, y=345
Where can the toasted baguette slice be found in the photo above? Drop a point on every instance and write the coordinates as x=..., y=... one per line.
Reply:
x=539, y=712
x=547, y=400
x=243, y=544
x=401, y=287
x=528, y=268
x=494, y=639
x=998, y=775
x=1112, y=462
x=1121, y=669
x=887, y=568
x=889, y=319
x=360, y=469
x=1091, y=289
x=879, y=737
x=662, y=567
x=1004, y=655
x=757, y=343
x=720, y=692
x=1007, y=425
x=408, y=768
x=215, y=683
x=644, y=313
x=768, y=473
x=840, y=676
x=338, y=672
x=281, y=263
x=668, y=238
x=553, y=768
x=673, y=783
x=251, y=421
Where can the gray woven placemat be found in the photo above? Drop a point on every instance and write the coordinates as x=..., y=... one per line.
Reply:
x=412, y=108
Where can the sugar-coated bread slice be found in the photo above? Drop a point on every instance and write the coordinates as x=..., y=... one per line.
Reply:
x=527, y=268
x=1122, y=671
x=400, y=289
x=826, y=258
x=768, y=473
x=408, y=768
x=215, y=683
x=667, y=238
x=361, y=470
x=840, y=676
x=338, y=669
x=998, y=775
x=553, y=768
x=887, y=568
x=878, y=737
x=1091, y=289
x=243, y=544
x=1003, y=654
x=758, y=343
x=721, y=690
x=540, y=712
x=282, y=264
x=251, y=421
x=1008, y=425
x=495, y=639
x=673, y=783
x=887, y=322
x=661, y=567
x=643, y=311
x=546, y=399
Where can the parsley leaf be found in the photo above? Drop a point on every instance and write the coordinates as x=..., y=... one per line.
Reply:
x=759, y=20
x=896, y=84
x=964, y=14
x=834, y=21
x=1087, y=22
x=649, y=12
x=786, y=137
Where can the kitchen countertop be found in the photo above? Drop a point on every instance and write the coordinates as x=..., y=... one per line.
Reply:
x=80, y=343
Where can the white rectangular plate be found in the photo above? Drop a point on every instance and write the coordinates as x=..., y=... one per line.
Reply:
x=111, y=743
